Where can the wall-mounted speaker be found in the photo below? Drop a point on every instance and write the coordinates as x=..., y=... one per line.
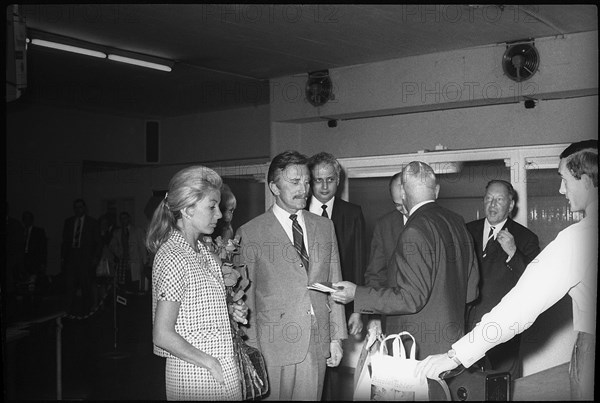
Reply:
x=152, y=141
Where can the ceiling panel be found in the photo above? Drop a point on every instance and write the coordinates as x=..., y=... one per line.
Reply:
x=222, y=51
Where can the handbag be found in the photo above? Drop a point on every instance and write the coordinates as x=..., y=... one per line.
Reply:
x=103, y=269
x=392, y=377
x=251, y=365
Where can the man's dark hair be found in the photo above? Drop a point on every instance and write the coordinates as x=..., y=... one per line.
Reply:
x=281, y=161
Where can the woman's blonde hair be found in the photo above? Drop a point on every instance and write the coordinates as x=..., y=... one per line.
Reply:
x=186, y=188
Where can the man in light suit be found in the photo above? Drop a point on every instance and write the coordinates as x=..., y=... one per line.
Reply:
x=348, y=221
x=379, y=272
x=299, y=331
x=436, y=270
x=80, y=253
x=504, y=249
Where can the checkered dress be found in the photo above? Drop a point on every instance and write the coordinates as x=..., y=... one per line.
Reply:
x=195, y=280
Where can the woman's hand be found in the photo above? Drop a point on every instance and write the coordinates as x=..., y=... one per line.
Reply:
x=239, y=312
x=215, y=369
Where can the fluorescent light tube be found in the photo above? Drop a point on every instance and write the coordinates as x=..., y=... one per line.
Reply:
x=68, y=48
x=138, y=62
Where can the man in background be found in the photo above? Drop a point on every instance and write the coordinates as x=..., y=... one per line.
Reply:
x=379, y=272
x=348, y=221
x=504, y=248
x=80, y=254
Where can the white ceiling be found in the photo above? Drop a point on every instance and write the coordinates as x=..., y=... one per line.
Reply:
x=225, y=54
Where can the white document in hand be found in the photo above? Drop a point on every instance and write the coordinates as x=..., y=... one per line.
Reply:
x=323, y=287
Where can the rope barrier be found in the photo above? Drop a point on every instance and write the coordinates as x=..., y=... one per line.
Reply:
x=94, y=309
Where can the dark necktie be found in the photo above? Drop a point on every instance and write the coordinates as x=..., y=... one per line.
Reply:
x=299, y=240
x=76, y=238
x=489, y=239
x=324, y=213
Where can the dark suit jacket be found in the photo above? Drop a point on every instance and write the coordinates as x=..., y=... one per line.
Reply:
x=91, y=245
x=498, y=276
x=379, y=273
x=383, y=244
x=278, y=297
x=37, y=251
x=349, y=224
x=436, y=276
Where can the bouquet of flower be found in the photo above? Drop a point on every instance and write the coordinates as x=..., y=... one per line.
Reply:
x=250, y=361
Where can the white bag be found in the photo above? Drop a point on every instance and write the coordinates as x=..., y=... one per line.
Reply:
x=393, y=376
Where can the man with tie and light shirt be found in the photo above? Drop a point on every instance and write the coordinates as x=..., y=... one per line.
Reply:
x=348, y=221
x=299, y=331
x=504, y=248
x=80, y=253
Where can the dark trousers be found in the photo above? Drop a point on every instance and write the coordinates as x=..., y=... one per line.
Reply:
x=581, y=370
x=79, y=276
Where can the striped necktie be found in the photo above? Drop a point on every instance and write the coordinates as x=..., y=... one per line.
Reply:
x=77, y=236
x=489, y=238
x=324, y=213
x=299, y=240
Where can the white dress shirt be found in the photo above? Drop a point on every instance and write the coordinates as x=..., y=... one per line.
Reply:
x=315, y=206
x=569, y=264
x=284, y=218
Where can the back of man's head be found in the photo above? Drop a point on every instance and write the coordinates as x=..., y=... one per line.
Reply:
x=420, y=183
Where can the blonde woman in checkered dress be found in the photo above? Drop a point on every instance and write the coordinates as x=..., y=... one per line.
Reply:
x=190, y=314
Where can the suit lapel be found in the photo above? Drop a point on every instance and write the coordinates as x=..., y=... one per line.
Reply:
x=311, y=234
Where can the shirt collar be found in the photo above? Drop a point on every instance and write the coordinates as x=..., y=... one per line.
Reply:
x=283, y=215
x=315, y=206
x=497, y=228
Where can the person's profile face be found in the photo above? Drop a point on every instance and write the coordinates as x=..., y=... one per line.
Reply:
x=229, y=209
x=574, y=189
x=396, y=191
x=291, y=188
x=497, y=203
x=325, y=182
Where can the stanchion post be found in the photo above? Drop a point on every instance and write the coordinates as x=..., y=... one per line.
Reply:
x=59, y=358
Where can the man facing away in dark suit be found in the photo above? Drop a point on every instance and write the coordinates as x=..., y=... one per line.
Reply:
x=348, y=221
x=504, y=248
x=80, y=253
x=436, y=270
x=299, y=331
x=379, y=272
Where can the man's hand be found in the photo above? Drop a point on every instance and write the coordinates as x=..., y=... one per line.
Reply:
x=355, y=323
x=335, y=347
x=345, y=294
x=374, y=326
x=434, y=365
x=507, y=241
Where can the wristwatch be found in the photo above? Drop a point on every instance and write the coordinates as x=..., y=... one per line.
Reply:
x=452, y=355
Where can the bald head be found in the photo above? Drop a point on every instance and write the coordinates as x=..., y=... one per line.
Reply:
x=419, y=184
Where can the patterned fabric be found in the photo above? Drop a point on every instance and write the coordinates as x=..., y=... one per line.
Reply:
x=299, y=240
x=490, y=236
x=195, y=281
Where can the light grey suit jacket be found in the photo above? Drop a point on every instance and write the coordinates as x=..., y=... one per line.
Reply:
x=278, y=298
